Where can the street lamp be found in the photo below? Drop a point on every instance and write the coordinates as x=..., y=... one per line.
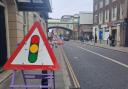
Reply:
x=95, y=21
x=78, y=26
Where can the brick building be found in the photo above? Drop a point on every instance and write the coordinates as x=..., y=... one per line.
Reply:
x=109, y=17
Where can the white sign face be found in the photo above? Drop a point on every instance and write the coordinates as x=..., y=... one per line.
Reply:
x=43, y=57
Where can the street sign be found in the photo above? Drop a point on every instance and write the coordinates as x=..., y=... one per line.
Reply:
x=33, y=53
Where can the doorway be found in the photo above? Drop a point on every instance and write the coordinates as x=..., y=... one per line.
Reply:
x=126, y=37
x=3, y=43
x=114, y=36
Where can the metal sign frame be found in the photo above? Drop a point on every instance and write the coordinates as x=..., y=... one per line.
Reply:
x=49, y=76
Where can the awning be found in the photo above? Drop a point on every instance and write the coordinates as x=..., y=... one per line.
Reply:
x=34, y=5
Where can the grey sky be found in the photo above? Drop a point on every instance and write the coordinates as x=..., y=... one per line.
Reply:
x=70, y=7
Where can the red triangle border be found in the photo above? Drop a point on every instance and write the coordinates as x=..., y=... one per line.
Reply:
x=9, y=66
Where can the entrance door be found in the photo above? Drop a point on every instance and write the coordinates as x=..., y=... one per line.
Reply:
x=3, y=44
x=114, y=34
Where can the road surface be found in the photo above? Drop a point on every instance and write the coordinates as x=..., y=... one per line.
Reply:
x=98, y=68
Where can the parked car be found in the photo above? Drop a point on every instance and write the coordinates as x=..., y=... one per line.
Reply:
x=66, y=38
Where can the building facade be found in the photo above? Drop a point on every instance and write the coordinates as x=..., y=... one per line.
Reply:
x=73, y=21
x=76, y=18
x=108, y=20
x=67, y=25
x=56, y=23
x=86, y=25
x=15, y=24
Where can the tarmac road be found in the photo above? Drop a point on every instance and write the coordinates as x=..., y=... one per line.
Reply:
x=98, y=68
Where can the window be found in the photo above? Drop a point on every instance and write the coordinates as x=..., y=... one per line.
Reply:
x=121, y=11
x=114, y=13
x=95, y=18
x=101, y=4
x=113, y=0
x=106, y=2
x=100, y=17
x=95, y=7
x=106, y=15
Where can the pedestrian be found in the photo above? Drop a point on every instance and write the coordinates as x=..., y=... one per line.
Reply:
x=113, y=41
x=95, y=38
x=91, y=37
x=100, y=38
x=110, y=40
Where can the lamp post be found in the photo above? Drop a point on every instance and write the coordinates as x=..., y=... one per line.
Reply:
x=73, y=28
x=95, y=21
x=78, y=26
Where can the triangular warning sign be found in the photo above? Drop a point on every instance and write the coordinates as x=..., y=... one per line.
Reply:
x=33, y=53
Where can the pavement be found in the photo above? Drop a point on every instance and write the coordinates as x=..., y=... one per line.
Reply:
x=62, y=76
x=117, y=48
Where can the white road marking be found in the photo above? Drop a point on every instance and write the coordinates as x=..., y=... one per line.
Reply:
x=75, y=57
x=113, y=60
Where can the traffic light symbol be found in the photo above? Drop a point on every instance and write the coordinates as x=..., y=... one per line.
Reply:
x=33, y=49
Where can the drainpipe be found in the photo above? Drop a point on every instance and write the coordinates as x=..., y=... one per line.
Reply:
x=125, y=21
x=78, y=27
x=24, y=25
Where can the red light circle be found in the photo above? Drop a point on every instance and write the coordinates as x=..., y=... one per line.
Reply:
x=35, y=39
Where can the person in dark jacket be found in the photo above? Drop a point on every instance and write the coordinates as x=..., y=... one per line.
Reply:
x=110, y=40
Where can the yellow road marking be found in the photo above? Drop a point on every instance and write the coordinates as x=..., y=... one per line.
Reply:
x=75, y=80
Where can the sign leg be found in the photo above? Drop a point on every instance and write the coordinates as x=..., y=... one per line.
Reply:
x=13, y=80
x=44, y=80
x=25, y=82
x=53, y=80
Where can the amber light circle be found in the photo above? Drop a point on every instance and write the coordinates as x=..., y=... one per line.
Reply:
x=34, y=48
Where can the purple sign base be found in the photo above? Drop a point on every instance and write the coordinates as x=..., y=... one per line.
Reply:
x=49, y=76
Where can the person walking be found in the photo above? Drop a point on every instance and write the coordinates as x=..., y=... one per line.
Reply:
x=95, y=38
x=110, y=40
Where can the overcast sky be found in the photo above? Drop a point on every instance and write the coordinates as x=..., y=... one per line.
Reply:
x=70, y=7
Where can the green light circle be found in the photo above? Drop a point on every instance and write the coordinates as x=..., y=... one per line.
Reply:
x=32, y=58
